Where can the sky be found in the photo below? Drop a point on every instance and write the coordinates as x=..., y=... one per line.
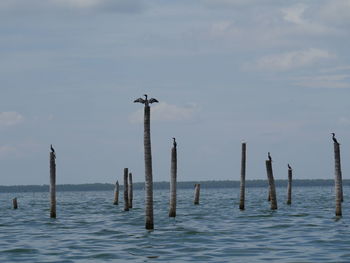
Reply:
x=273, y=73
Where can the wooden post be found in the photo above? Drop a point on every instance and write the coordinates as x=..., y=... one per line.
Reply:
x=53, y=184
x=14, y=203
x=116, y=194
x=126, y=195
x=338, y=180
x=173, y=178
x=130, y=191
x=289, y=188
x=196, y=193
x=148, y=169
x=269, y=194
x=242, y=187
x=271, y=184
x=148, y=161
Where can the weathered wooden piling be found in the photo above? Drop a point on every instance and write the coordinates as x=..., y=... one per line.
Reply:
x=130, y=191
x=197, y=190
x=269, y=194
x=173, y=179
x=14, y=203
x=338, y=179
x=116, y=194
x=271, y=184
x=242, y=186
x=289, y=187
x=52, y=183
x=148, y=162
x=126, y=188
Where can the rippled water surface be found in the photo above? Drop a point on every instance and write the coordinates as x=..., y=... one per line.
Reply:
x=89, y=228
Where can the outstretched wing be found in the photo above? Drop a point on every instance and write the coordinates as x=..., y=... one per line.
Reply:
x=140, y=100
x=152, y=100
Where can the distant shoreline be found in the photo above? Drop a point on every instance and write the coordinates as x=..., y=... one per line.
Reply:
x=165, y=185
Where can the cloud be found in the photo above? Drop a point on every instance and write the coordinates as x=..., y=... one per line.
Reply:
x=10, y=118
x=167, y=112
x=119, y=6
x=337, y=11
x=294, y=14
x=290, y=60
x=231, y=3
x=331, y=81
x=223, y=28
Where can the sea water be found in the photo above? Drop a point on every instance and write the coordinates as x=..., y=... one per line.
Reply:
x=89, y=228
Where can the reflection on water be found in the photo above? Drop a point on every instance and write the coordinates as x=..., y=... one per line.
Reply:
x=89, y=228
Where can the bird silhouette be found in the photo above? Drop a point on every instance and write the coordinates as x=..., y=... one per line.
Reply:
x=140, y=100
x=145, y=100
x=290, y=168
x=174, y=142
x=53, y=151
x=334, y=139
x=269, y=156
x=152, y=100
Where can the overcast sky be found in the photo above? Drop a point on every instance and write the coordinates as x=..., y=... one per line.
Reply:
x=273, y=73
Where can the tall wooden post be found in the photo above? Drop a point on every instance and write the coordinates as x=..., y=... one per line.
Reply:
x=130, y=191
x=196, y=193
x=271, y=184
x=289, y=187
x=53, y=183
x=14, y=203
x=242, y=186
x=116, y=194
x=126, y=195
x=338, y=180
x=148, y=161
x=173, y=178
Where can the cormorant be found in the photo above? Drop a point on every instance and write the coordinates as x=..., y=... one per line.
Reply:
x=290, y=168
x=53, y=151
x=152, y=100
x=145, y=100
x=269, y=156
x=333, y=137
x=140, y=100
x=175, y=144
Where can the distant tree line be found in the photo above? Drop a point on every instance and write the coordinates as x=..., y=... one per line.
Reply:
x=165, y=185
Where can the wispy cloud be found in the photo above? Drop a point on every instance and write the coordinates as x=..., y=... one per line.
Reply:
x=330, y=81
x=290, y=60
x=120, y=6
x=167, y=112
x=337, y=11
x=230, y=3
x=10, y=118
x=295, y=15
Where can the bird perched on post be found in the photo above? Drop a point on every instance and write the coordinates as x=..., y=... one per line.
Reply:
x=53, y=151
x=146, y=101
x=334, y=139
x=174, y=142
x=269, y=156
x=290, y=168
